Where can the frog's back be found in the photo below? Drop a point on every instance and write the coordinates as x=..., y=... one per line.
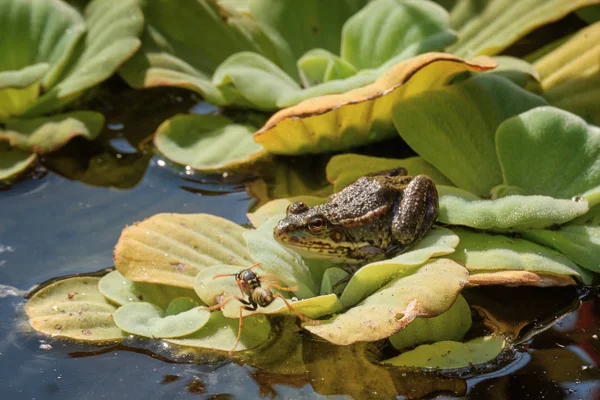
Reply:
x=363, y=201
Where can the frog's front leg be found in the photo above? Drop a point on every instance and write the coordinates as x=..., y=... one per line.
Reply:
x=414, y=213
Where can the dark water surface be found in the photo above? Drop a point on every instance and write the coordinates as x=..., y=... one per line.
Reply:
x=54, y=226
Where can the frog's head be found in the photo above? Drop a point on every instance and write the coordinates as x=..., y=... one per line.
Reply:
x=313, y=232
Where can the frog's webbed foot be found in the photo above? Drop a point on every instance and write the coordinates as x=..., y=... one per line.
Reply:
x=414, y=213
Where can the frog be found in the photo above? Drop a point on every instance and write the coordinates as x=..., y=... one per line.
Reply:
x=380, y=215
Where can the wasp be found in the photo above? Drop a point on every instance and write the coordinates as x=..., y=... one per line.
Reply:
x=251, y=286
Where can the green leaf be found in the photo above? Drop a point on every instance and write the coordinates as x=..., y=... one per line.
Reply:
x=112, y=37
x=451, y=355
x=33, y=33
x=213, y=290
x=570, y=74
x=120, y=290
x=550, y=152
x=148, y=320
x=14, y=161
x=208, y=143
x=362, y=115
x=438, y=242
x=450, y=325
x=344, y=169
x=428, y=292
x=511, y=212
x=278, y=260
x=579, y=240
x=393, y=31
x=459, y=142
x=490, y=27
x=180, y=305
x=249, y=79
x=499, y=259
x=317, y=66
x=73, y=308
x=306, y=25
x=171, y=249
x=519, y=72
x=174, y=54
x=332, y=281
x=220, y=333
x=47, y=134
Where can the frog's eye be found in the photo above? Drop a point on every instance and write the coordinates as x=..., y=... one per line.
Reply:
x=297, y=208
x=317, y=224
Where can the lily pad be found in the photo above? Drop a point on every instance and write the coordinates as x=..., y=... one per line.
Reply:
x=570, y=73
x=47, y=134
x=344, y=169
x=171, y=249
x=365, y=113
x=450, y=325
x=14, y=161
x=73, y=308
x=390, y=31
x=550, y=152
x=37, y=39
x=120, y=290
x=490, y=27
x=149, y=320
x=437, y=242
x=451, y=355
x=280, y=261
x=112, y=37
x=220, y=333
x=511, y=212
x=428, y=292
x=499, y=259
x=579, y=240
x=207, y=143
x=214, y=290
x=459, y=142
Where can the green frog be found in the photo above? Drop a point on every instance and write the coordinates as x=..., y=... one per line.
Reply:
x=379, y=216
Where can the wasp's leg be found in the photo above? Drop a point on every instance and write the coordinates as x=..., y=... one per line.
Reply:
x=302, y=317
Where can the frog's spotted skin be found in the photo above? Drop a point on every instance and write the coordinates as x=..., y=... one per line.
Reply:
x=378, y=216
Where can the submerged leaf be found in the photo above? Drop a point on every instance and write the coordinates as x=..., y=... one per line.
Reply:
x=490, y=27
x=459, y=142
x=451, y=355
x=171, y=249
x=428, y=292
x=207, y=143
x=220, y=333
x=438, y=242
x=499, y=259
x=363, y=115
x=47, y=134
x=550, y=152
x=511, y=212
x=73, y=308
x=148, y=320
x=14, y=161
x=344, y=169
x=450, y=325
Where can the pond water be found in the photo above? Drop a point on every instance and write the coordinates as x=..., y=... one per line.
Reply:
x=54, y=225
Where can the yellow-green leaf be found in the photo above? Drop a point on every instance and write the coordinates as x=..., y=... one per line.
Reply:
x=73, y=308
x=336, y=122
x=171, y=249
